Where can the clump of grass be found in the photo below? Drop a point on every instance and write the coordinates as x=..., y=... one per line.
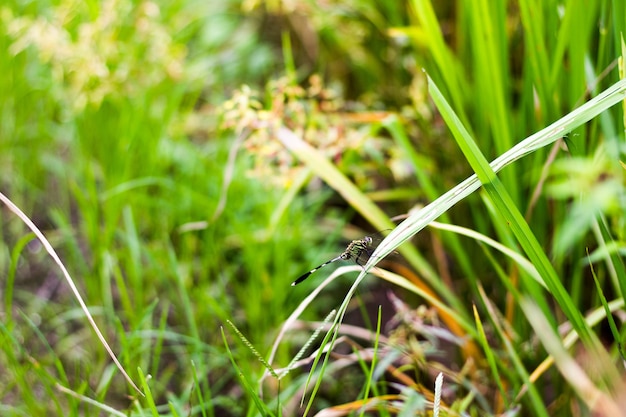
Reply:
x=502, y=198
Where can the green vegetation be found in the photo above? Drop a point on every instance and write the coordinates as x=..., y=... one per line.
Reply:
x=188, y=160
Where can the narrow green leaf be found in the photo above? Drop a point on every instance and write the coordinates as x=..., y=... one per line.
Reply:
x=370, y=375
x=539, y=408
x=147, y=392
x=420, y=219
x=505, y=205
x=609, y=315
x=260, y=406
x=482, y=338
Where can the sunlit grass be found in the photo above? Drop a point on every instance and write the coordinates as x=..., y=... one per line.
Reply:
x=180, y=201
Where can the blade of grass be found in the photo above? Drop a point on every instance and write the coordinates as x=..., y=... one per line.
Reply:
x=10, y=284
x=607, y=311
x=615, y=263
x=246, y=384
x=446, y=62
x=505, y=205
x=622, y=66
x=143, y=380
x=206, y=408
x=539, y=408
x=488, y=19
x=305, y=346
x=536, y=288
x=70, y=282
x=533, y=20
x=84, y=399
x=159, y=343
x=395, y=128
x=489, y=355
x=183, y=291
x=329, y=340
x=333, y=177
x=598, y=402
x=593, y=318
x=417, y=221
x=524, y=263
x=369, y=377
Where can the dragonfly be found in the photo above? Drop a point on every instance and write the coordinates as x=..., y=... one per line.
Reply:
x=359, y=250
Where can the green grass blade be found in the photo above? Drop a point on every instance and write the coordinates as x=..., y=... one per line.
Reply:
x=522, y=262
x=417, y=221
x=609, y=316
x=489, y=355
x=487, y=19
x=323, y=168
x=50, y=250
x=206, y=408
x=505, y=205
x=534, y=22
x=260, y=406
x=539, y=408
x=578, y=379
x=395, y=128
x=110, y=411
x=10, y=281
x=147, y=392
x=250, y=346
x=306, y=345
x=370, y=375
x=615, y=263
x=326, y=346
x=449, y=68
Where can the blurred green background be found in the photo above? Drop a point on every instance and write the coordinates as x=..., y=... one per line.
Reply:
x=140, y=137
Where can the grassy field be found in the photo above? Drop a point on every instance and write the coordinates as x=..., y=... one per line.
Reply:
x=188, y=160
